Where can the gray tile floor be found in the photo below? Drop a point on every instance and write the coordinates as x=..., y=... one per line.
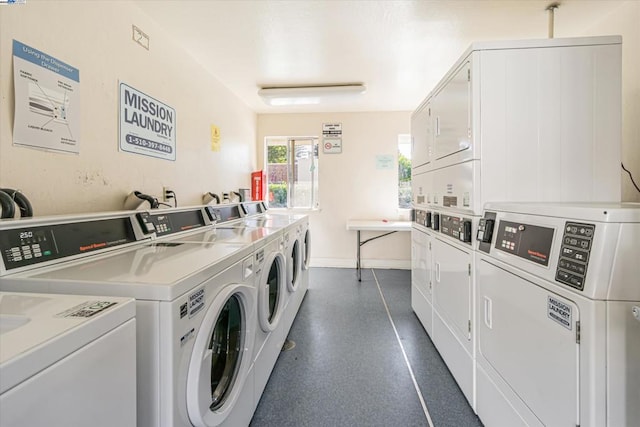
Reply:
x=348, y=369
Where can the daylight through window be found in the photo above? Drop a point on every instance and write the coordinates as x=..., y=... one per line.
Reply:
x=404, y=171
x=292, y=172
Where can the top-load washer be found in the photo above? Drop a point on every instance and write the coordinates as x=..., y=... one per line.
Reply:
x=67, y=360
x=196, y=305
x=558, y=314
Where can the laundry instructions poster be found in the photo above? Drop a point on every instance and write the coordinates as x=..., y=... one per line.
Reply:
x=47, y=101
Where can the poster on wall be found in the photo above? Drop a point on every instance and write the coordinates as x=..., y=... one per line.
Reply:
x=332, y=146
x=47, y=101
x=147, y=126
x=385, y=162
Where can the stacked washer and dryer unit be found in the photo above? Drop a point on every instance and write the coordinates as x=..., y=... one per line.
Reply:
x=519, y=121
x=196, y=293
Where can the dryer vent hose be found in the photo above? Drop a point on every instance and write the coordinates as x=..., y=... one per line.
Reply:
x=26, y=210
x=7, y=208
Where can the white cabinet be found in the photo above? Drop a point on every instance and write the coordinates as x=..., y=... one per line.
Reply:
x=534, y=120
x=421, y=139
x=452, y=118
x=421, y=277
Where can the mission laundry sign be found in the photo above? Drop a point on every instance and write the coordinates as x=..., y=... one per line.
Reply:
x=147, y=126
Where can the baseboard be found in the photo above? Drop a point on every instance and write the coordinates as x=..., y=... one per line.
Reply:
x=399, y=264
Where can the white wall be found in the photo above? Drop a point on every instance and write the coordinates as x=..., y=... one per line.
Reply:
x=350, y=185
x=625, y=21
x=96, y=38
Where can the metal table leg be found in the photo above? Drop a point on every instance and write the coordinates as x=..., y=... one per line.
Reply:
x=358, y=266
x=359, y=273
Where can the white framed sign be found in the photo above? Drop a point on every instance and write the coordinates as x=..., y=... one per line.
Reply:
x=47, y=101
x=332, y=146
x=147, y=126
x=332, y=130
x=385, y=162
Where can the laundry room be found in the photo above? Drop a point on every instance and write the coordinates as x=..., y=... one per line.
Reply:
x=274, y=205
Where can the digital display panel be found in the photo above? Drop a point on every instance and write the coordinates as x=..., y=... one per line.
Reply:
x=26, y=246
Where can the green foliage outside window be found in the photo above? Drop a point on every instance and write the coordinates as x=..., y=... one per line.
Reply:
x=277, y=154
x=404, y=168
x=278, y=195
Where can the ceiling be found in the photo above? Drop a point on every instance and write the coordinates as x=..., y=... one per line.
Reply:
x=398, y=49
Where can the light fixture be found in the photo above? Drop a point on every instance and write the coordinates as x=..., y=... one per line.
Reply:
x=308, y=95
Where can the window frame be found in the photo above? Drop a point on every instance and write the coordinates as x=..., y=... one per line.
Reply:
x=290, y=142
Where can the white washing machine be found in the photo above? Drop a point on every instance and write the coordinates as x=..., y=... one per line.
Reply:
x=270, y=268
x=421, y=269
x=196, y=306
x=305, y=238
x=558, y=315
x=297, y=248
x=272, y=292
x=294, y=251
x=67, y=360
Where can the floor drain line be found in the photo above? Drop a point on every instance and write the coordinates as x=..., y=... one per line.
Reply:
x=404, y=354
x=288, y=345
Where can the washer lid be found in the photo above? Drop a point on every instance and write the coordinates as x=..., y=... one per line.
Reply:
x=37, y=330
x=160, y=271
x=244, y=235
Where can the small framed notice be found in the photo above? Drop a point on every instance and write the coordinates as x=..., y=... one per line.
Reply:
x=332, y=146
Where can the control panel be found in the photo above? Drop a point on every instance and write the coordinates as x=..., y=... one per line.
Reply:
x=456, y=227
x=253, y=208
x=223, y=213
x=530, y=242
x=435, y=223
x=423, y=218
x=574, y=254
x=25, y=246
x=175, y=222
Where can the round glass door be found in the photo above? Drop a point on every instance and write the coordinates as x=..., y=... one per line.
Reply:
x=307, y=249
x=226, y=348
x=294, y=260
x=272, y=284
x=218, y=364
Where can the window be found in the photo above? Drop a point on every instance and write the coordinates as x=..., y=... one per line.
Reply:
x=404, y=171
x=292, y=172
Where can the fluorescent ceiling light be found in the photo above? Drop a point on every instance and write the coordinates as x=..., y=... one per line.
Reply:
x=308, y=95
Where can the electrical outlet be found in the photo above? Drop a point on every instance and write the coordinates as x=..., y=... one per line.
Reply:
x=167, y=193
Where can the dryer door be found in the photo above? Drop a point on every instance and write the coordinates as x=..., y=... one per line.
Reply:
x=271, y=289
x=527, y=336
x=221, y=357
x=294, y=261
x=307, y=249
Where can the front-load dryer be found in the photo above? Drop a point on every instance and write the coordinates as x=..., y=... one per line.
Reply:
x=422, y=269
x=67, y=360
x=558, y=339
x=184, y=292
